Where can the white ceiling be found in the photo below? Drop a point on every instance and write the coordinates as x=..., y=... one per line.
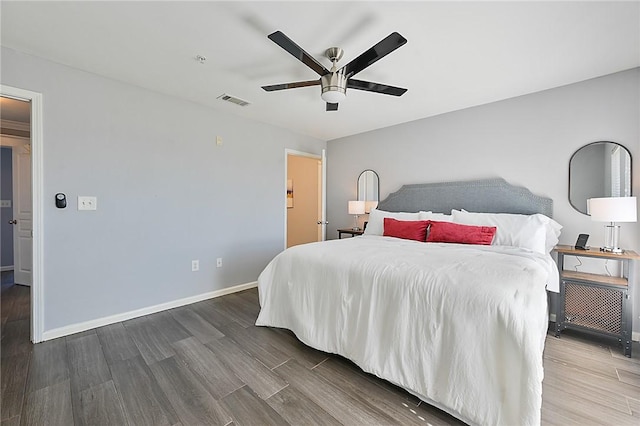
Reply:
x=459, y=54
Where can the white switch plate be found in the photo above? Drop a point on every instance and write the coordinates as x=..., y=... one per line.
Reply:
x=219, y=262
x=5, y=203
x=218, y=140
x=87, y=203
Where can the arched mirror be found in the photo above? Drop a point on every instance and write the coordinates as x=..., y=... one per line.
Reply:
x=369, y=189
x=599, y=169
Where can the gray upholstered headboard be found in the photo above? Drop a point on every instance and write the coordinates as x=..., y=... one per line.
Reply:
x=483, y=196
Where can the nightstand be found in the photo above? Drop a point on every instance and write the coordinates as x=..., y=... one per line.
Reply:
x=595, y=303
x=349, y=231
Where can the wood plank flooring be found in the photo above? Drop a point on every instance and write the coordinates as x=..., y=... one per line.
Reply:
x=207, y=364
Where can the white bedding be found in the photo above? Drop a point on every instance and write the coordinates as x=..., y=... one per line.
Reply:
x=460, y=326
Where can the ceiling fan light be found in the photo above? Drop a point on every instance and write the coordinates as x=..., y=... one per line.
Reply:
x=333, y=95
x=334, y=87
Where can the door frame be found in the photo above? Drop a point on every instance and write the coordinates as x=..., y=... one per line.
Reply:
x=37, y=197
x=323, y=181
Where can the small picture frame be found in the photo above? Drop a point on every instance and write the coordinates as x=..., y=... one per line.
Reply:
x=289, y=193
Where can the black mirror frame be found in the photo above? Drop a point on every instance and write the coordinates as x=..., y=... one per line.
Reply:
x=358, y=183
x=584, y=146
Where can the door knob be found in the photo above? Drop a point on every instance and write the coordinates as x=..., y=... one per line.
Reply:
x=13, y=222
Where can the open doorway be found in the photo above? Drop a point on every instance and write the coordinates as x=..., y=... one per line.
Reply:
x=21, y=134
x=15, y=198
x=15, y=216
x=305, y=212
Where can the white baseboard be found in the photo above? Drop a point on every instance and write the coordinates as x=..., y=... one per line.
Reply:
x=6, y=268
x=100, y=322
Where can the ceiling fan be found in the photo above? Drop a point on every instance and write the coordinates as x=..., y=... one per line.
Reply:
x=334, y=82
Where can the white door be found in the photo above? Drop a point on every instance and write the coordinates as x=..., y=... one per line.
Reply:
x=22, y=209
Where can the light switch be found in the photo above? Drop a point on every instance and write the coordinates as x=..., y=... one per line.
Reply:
x=87, y=203
x=5, y=203
x=218, y=140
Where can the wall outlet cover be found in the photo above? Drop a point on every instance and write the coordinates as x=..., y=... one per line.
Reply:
x=87, y=203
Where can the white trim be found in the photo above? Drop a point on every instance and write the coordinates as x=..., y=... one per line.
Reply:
x=100, y=322
x=323, y=189
x=6, y=268
x=14, y=125
x=289, y=151
x=37, y=186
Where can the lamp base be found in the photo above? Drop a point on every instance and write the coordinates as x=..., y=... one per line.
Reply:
x=355, y=223
x=611, y=239
x=614, y=250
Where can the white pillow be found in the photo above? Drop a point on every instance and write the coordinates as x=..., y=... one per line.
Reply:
x=376, y=220
x=440, y=217
x=535, y=232
x=553, y=232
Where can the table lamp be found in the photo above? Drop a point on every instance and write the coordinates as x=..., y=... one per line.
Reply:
x=356, y=208
x=613, y=209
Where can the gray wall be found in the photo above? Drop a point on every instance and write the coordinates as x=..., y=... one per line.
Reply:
x=6, y=213
x=526, y=140
x=166, y=193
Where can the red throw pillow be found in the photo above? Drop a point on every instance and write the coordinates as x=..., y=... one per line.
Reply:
x=449, y=232
x=407, y=229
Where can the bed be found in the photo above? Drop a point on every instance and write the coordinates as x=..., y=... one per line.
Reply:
x=461, y=326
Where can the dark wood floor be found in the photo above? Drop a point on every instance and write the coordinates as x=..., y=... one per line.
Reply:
x=207, y=363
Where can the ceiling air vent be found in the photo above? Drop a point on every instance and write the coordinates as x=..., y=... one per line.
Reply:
x=233, y=100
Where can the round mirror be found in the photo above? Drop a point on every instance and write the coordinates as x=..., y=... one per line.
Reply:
x=369, y=189
x=599, y=169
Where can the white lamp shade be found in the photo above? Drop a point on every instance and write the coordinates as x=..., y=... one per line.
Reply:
x=356, y=207
x=613, y=209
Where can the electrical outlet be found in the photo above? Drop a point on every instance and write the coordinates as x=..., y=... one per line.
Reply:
x=87, y=203
x=219, y=262
x=195, y=265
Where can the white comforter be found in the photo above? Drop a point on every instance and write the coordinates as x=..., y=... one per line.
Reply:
x=460, y=326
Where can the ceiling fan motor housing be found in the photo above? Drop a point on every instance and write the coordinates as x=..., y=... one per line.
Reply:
x=334, y=82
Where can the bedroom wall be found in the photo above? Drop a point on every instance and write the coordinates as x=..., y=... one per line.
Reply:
x=167, y=194
x=526, y=140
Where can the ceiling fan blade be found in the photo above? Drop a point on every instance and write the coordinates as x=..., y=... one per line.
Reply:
x=332, y=107
x=287, y=44
x=274, y=87
x=375, y=87
x=375, y=53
